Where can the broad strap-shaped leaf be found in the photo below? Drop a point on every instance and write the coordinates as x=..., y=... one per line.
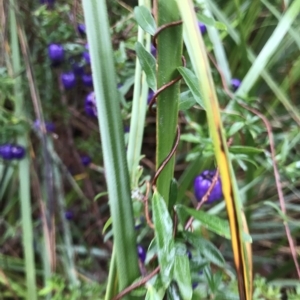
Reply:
x=163, y=227
x=147, y=62
x=145, y=19
x=197, y=52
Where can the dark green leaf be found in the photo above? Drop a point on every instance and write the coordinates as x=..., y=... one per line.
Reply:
x=182, y=275
x=163, y=228
x=206, y=248
x=192, y=82
x=173, y=194
x=145, y=19
x=211, y=222
x=147, y=62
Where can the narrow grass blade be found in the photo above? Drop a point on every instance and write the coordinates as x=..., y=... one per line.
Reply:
x=24, y=166
x=197, y=52
x=269, y=49
x=111, y=129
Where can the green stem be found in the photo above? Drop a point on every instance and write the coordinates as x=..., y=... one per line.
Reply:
x=169, y=50
x=138, y=113
x=24, y=164
x=111, y=129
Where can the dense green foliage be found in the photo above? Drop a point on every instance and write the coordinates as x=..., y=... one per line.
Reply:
x=59, y=216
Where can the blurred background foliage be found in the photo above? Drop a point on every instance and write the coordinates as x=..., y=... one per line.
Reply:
x=245, y=26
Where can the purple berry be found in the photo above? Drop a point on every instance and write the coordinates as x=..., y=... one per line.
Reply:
x=150, y=96
x=126, y=128
x=85, y=160
x=235, y=83
x=189, y=254
x=153, y=50
x=47, y=2
x=78, y=69
x=202, y=27
x=11, y=151
x=90, y=105
x=56, y=53
x=68, y=80
x=81, y=29
x=141, y=253
x=18, y=152
x=69, y=215
x=87, y=80
x=50, y=127
x=86, y=54
x=202, y=184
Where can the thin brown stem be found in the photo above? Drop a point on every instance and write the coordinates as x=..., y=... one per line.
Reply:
x=137, y=284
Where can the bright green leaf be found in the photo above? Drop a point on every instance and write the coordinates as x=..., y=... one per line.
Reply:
x=245, y=150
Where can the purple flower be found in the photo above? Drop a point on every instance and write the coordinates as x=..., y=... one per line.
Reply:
x=150, y=95
x=235, y=83
x=85, y=160
x=153, y=50
x=50, y=127
x=69, y=215
x=202, y=27
x=56, y=53
x=87, y=80
x=90, y=105
x=81, y=29
x=141, y=253
x=202, y=184
x=11, y=151
x=68, y=80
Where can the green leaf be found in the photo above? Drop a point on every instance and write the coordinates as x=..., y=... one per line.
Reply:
x=147, y=62
x=211, y=222
x=106, y=225
x=237, y=126
x=186, y=103
x=206, y=248
x=173, y=194
x=145, y=19
x=182, y=275
x=220, y=26
x=192, y=82
x=190, y=137
x=245, y=150
x=163, y=228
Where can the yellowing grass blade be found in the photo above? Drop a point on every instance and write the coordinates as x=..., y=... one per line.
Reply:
x=198, y=56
